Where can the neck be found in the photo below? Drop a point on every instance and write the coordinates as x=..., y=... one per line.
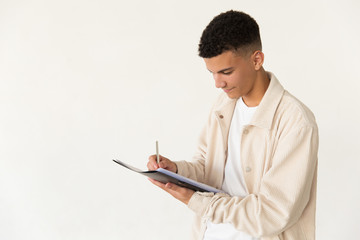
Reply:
x=261, y=83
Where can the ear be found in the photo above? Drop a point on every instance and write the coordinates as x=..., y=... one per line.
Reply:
x=258, y=59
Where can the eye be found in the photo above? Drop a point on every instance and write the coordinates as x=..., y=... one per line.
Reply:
x=228, y=73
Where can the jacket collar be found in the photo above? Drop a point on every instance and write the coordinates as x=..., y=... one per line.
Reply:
x=264, y=114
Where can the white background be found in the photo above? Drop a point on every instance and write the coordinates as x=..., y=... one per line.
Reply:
x=82, y=82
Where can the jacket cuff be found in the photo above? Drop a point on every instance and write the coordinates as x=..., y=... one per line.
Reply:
x=199, y=202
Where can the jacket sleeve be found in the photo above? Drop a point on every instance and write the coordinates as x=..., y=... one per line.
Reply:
x=195, y=169
x=283, y=195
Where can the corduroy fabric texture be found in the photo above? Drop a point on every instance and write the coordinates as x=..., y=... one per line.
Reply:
x=279, y=152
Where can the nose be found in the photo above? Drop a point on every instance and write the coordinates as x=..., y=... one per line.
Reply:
x=219, y=82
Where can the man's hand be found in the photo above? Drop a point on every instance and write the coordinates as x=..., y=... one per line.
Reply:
x=163, y=163
x=180, y=193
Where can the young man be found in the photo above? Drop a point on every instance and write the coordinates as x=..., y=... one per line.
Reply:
x=259, y=145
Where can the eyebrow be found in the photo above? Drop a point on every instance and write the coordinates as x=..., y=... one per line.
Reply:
x=223, y=70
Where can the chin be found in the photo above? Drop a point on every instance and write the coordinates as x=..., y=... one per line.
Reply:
x=233, y=96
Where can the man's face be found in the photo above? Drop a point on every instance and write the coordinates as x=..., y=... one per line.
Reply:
x=235, y=74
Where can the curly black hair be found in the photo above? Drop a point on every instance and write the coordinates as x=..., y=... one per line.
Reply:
x=231, y=30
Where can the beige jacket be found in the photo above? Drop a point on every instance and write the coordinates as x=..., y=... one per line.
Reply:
x=279, y=161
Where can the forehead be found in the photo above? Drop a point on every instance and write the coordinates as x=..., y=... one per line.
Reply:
x=223, y=61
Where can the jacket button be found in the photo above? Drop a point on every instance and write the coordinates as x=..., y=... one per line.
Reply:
x=246, y=131
x=221, y=116
x=248, y=169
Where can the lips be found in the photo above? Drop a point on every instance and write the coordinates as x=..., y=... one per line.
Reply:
x=228, y=90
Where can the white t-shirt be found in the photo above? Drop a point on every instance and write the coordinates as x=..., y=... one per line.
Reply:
x=233, y=179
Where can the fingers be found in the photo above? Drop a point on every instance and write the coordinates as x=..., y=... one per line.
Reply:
x=180, y=193
x=169, y=187
x=167, y=164
x=157, y=183
x=152, y=164
x=163, y=163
